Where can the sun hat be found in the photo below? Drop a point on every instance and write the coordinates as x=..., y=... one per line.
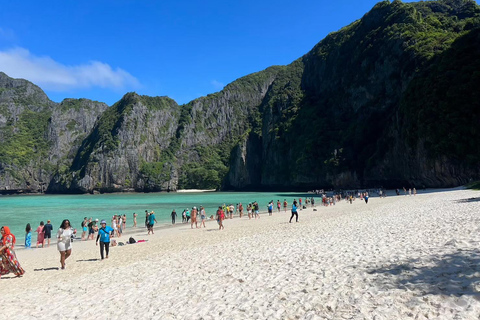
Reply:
x=103, y=221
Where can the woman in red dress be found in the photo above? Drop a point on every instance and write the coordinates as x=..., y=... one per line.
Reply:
x=9, y=262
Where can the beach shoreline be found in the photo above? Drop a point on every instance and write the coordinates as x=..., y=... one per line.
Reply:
x=393, y=258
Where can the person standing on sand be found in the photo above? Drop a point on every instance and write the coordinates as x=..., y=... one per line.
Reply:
x=134, y=220
x=91, y=231
x=294, y=213
x=240, y=209
x=151, y=222
x=124, y=222
x=285, y=204
x=48, y=232
x=84, y=228
x=40, y=235
x=174, y=215
x=220, y=218
x=104, y=236
x=231, y=208
x=146, y=219
x=203, y=216
x=184, y=216
x=257, y=210
x=300, y=201
x=28, y=236
x=279, y=205
x=187, y=214
x=194, y=218
x=8, y=258
x=366, y=198
x=414, y=191
x=64, y=241
x=249, y=210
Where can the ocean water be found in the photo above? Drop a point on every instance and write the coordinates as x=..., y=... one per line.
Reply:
x=16, y=211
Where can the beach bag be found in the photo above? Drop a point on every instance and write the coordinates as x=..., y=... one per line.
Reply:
x=131, y=240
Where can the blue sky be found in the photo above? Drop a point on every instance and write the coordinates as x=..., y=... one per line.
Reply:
x=182, y=49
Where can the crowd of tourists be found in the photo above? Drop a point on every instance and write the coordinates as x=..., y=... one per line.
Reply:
x=196, y=217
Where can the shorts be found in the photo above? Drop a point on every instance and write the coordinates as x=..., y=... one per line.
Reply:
x=91, y=231
x=202, y=217
x=48, y=235
x=150, y=225
x=256, y=211
x=85, y=229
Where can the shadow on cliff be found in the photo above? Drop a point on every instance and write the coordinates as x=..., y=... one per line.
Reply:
x=450, y=274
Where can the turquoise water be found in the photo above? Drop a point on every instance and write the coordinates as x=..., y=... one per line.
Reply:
x=17, y=211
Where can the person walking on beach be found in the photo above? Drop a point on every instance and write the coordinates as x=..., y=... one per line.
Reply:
x=64, y=241
x=231, y=208
x=203, y=216
x=220, y=218
x=104, y=236
x=48, y=232
x=8, y=258
x=134, y=220
x=187, y=214
x=294, y=213
x=151, y=222
x=300, y=201
x=184, y=216
x=174, y=215
x=40, y=235
x=279, y=205
x=28, y=236
x=146, y=219
x=366, y=198
x=285, y=204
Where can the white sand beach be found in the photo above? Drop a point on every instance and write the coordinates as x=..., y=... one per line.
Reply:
x=400, y=257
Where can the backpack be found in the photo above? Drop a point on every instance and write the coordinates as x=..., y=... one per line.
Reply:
x=131, y=240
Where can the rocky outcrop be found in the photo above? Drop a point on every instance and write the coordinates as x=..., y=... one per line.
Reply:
x=390, y=100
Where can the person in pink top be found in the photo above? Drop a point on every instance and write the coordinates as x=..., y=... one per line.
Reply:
x=40, y=234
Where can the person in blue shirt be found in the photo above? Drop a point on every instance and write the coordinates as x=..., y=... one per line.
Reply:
x=104, y=236
x=151, y=222
x=294, y=212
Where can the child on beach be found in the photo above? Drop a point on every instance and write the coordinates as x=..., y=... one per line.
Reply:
x=28, y=236
x=220, y=218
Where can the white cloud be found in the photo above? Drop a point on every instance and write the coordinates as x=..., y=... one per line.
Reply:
x=217, y=85
x=52, y=75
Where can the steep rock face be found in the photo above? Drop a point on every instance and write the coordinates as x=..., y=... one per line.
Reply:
x=37, y=135
x=125, y=148
x=390, y=100
x=343, y=121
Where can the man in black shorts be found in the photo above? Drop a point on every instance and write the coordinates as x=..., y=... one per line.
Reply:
x=48, y=232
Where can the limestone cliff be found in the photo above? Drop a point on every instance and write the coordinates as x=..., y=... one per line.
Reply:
x=390, y=100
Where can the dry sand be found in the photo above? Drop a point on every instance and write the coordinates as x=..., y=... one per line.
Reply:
x=402, y=257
